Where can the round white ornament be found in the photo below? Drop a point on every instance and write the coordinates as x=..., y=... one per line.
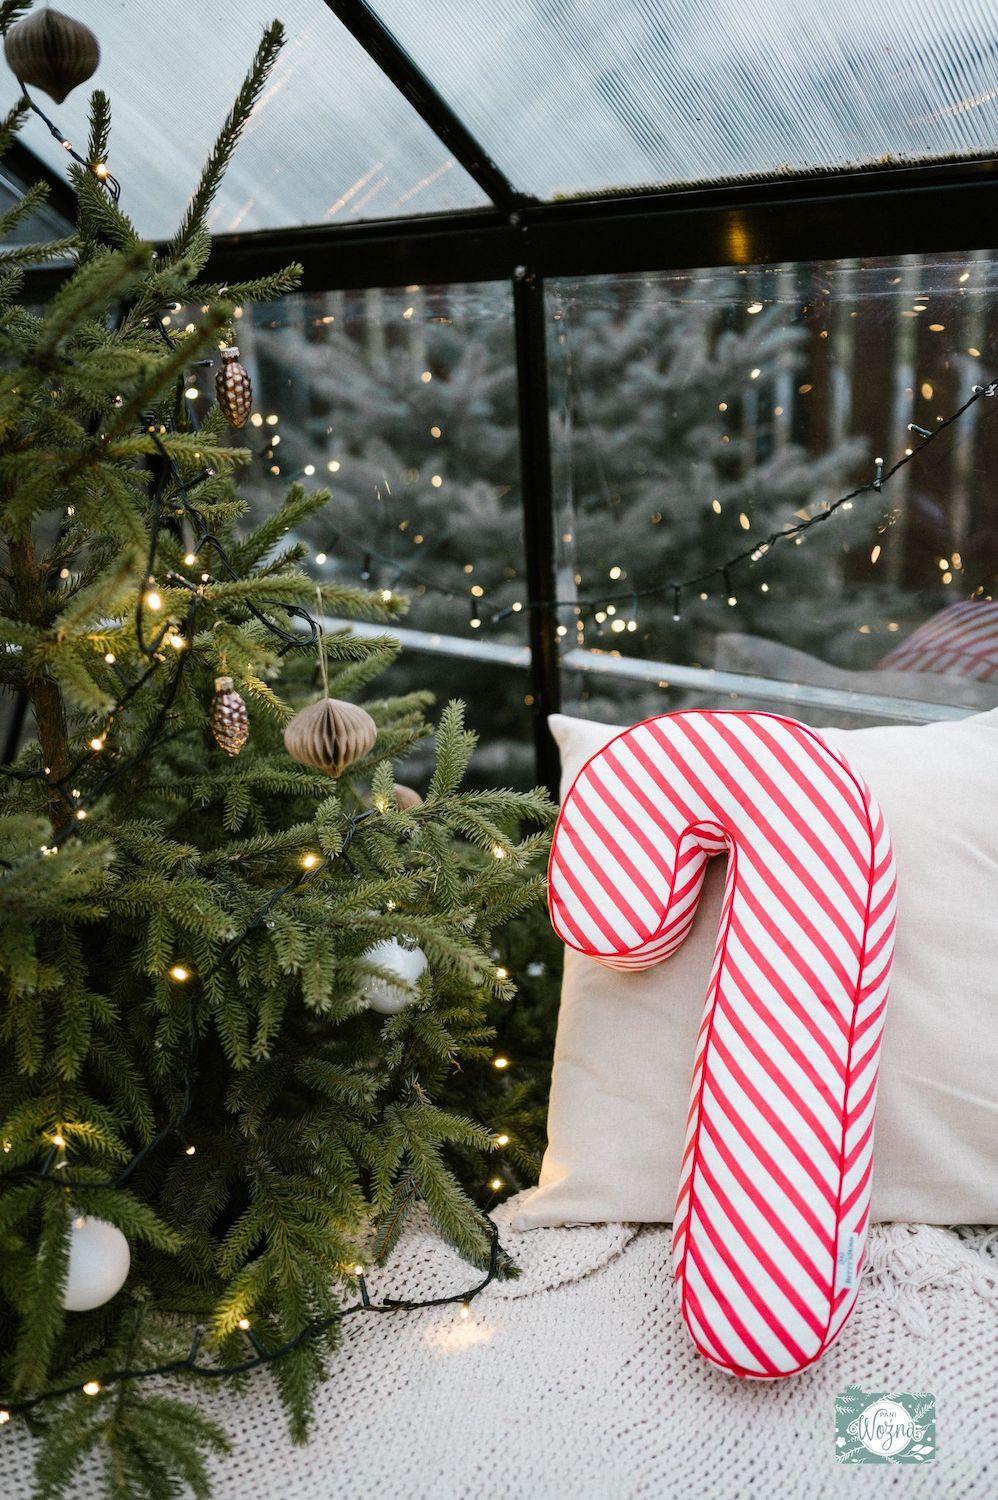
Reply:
x=407, y=963
x=99, y=1258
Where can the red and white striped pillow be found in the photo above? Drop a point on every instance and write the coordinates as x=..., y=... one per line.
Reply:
x=774, y=1188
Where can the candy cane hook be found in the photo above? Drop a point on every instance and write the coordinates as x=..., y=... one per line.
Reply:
x=774, y=1195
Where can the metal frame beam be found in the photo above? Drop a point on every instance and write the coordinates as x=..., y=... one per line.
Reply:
x=537, y=494
x=881, y=212
x=370, y=31
x=28, y=169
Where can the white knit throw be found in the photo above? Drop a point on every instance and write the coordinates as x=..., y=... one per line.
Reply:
x=577, y=1381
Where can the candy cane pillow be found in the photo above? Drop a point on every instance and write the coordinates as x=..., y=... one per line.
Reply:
x=774, y=1187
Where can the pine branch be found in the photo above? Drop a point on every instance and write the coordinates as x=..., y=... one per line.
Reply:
x=196, y=215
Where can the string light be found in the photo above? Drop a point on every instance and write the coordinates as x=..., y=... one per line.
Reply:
x=180, y=973
x=189, y=1365
x=309, y=861
x=154, y=600
x=500, y=1063
x=502, y=1140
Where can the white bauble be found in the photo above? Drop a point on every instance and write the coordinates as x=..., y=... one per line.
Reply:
x=99, y=1258
x=408, y=963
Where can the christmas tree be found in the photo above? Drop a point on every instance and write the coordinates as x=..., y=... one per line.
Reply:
x=246, y=999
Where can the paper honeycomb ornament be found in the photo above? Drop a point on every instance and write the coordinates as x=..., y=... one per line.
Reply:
x=52, y=52
x=234, y=388
x=330, y=735
x=229, y=719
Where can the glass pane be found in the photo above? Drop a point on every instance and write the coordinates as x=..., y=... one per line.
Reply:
x=331, y=139
x=402, y=402
x=571, y=96
x=698, y=413
x=44, y=224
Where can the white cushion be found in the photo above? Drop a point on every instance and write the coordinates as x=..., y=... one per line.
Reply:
x=626, y=1039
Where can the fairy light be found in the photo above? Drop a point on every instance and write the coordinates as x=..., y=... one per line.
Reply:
x=190, y=1150
x=154, y=600
x=244, y=1324
x=358, y=1270
x=496, y=1183
x=180, y=973
x=501, y=1063
x=320, y=558
x=333, y=466
x=309, y=470
x=4, y=1417
x=498, y=852
x=190, y=558
x=59, y=1140
x=81, y=814
x=754, y=307
x=192, y=393
x=97, y=743
x=309, y=861
x=92, y=1388
x=502, y=1140
x=501, y=973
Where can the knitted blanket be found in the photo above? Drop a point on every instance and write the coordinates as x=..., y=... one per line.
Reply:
x=577, y=1381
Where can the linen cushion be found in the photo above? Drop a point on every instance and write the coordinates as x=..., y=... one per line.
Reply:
x=626, y=1041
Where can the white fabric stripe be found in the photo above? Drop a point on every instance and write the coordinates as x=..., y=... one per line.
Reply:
x=818, y=1150
x=768, y=1238
x=751, y=1164
x=826, y=1112
x=732, y=1341
x=772, y=1295
x=755, y=1325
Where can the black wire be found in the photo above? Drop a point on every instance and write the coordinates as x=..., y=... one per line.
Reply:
x=104, y=178
x=266, y=1356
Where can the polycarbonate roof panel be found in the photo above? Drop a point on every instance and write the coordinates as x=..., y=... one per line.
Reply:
x=331, y=140
x=581, y=96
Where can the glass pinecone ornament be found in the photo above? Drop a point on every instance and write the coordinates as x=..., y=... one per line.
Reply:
x=229, y=719
x=52, y=52
x=234, y=388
